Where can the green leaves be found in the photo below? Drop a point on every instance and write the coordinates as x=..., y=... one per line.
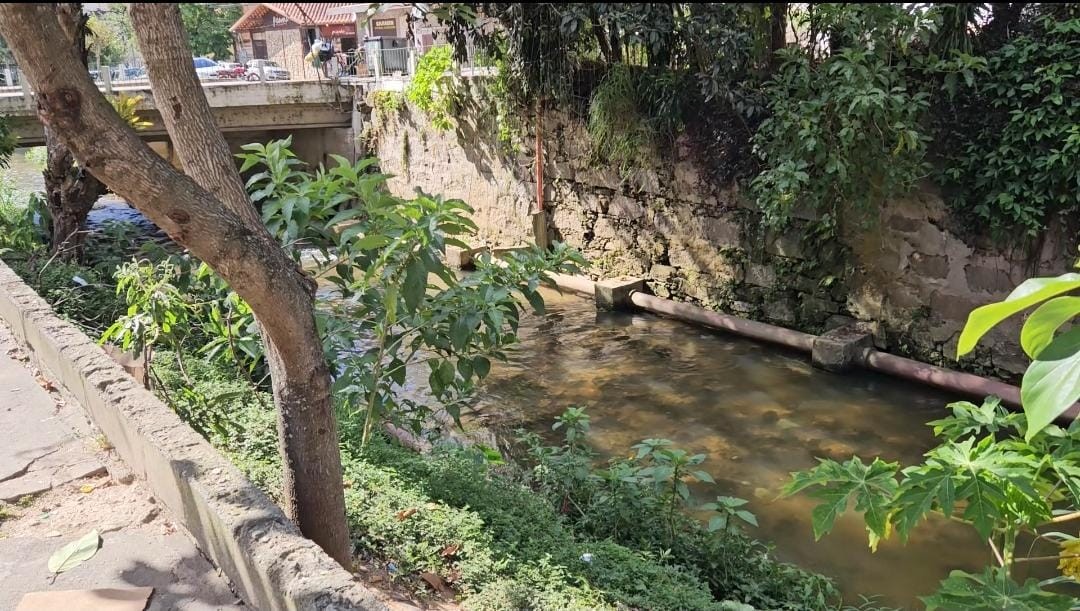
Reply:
x=429, y=88
x=415, y=285
x=728, y=509
x=837, y=485
x=1044, y=322
x=1009, y=139
x=75, y=553
x=400, y=304
x=994, y=590
x=1051, y=383
x=1029, y=293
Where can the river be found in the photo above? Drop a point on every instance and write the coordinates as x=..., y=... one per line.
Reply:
x=759, y=413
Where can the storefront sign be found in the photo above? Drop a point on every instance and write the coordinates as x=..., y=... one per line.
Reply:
x=271, y=21
x=341, y=30
x=384, y=27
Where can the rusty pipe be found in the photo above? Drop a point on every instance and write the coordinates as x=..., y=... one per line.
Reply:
x=957, y=382
x=740, y=326
x=939, y=377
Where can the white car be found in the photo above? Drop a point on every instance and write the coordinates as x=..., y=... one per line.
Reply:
x=271, y=70
x=206, y=68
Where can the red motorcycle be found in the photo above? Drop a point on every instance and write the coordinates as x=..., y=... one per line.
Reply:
x=232, y=71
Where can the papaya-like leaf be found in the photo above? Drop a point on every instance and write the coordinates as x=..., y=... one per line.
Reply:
x=1051, y=383
x=994, y=590
x=1029, y=293
x=1044, y=322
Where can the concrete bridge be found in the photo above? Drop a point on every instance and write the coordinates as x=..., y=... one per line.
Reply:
x=318, y=114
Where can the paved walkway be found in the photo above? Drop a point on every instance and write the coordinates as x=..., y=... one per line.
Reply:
x=59, y=480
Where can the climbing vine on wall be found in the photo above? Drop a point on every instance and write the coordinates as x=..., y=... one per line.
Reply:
x=430, y=90
x=1010, y=140
x=844, y=103
x=842, y=136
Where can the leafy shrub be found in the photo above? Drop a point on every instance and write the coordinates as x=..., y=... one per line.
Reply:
x=82, y=295
x=638, y=502
x=1010, y=140
x=843, y=137
x=381, y=253
x=1006, y=474
x=24, y=226
x=619, y=130
x=429, y=89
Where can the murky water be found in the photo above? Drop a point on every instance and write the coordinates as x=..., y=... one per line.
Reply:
x=758, y=413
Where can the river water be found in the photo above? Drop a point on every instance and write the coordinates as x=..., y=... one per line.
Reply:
x=759, y=413
x=27, y=179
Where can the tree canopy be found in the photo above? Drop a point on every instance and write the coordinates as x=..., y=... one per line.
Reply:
x=208, y=28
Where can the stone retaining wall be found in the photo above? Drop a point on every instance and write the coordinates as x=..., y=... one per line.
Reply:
x=909, y=274
x=242, y=531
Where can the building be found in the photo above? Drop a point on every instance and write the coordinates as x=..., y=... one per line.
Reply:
x=394, y=32
x=283, y=32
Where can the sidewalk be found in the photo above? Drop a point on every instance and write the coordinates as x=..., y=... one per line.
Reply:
x=58, y=481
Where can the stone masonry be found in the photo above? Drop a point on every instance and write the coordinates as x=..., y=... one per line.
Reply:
x=910, y=277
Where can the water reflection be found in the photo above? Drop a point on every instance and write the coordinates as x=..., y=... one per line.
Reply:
x=759, y=413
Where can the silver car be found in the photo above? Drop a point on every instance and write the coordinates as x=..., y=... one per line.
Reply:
x=271, y=70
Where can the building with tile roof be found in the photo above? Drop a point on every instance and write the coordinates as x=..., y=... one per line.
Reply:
x=283, y=32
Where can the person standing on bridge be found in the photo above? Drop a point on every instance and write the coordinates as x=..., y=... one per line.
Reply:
x=321, y=52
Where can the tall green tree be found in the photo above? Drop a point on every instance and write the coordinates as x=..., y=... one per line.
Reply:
x=208, y=28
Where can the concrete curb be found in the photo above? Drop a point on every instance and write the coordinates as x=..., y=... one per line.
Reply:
x=243, y=532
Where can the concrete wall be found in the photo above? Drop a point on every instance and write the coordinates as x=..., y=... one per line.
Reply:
x=909, y=272
x=242, y=531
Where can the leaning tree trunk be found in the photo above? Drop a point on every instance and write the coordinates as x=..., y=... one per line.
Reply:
x=216, y=229
x=310, y=453
x=70, y=191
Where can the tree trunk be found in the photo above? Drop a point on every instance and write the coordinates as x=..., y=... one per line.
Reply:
x=1004, y=19
x=777, y=33
x=233, y=242
x=70, y=191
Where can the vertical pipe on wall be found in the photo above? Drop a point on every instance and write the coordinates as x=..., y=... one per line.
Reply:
x=539, y=217
x=539, y=156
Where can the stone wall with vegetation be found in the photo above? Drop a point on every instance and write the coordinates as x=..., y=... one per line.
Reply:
x=909, y=273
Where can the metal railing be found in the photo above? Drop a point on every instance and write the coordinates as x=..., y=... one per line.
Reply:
x=362, y=63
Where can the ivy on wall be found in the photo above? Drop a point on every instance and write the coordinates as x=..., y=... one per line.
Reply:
x=1010, y=140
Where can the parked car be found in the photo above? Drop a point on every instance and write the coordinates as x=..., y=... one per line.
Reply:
x=206, y=68
x=231, y=70
x=270, y=69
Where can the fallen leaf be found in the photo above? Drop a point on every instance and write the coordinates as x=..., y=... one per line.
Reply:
x=450, y=550
x=43, y=381
x=437, y=583
x=75, y=553
x=86, y=488
x=405, y=513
